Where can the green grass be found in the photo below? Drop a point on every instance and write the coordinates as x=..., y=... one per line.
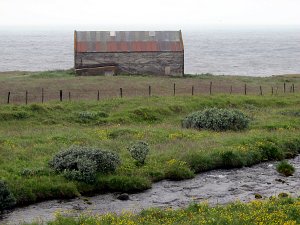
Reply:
x=275, y=211
x=30, y=135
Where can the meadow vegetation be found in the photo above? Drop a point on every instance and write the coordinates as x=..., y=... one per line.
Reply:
x=284, y=211
x=33, y=135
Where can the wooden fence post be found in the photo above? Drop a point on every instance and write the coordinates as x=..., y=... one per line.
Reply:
x=121, y=92
x=272, y=91
x=8, y=97
x=149, y=90
x=60, y=95
x=231, y=89
x=283, y=87
x=42, y=95
x=260, y=88
x=192, y=90
x=210, y=88
x=69, y=96
x=174, y=89
x=98, y=95
x=245, y=89
x=293, y=88
x=26, y=97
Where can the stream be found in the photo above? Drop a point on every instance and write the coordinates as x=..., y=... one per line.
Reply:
x=214, y=187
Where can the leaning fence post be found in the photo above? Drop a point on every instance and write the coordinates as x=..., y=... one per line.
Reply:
x=8, y=97
x=121, y=92
x=210, y=88
x=245, y=89
x=149, y=90
x=60, y=95
x=26, y=97
x=192, y=90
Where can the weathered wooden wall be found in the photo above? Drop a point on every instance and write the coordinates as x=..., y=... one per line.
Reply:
x=153, y=63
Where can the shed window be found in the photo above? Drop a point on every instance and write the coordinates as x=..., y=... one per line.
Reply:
x=112, y=33
x=151, y=33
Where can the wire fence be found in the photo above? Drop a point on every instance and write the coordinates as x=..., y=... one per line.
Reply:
x=41, y=95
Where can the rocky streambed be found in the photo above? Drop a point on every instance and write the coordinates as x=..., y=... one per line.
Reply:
x=215, y=187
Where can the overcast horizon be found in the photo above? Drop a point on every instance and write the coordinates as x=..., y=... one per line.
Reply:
x=132, y=14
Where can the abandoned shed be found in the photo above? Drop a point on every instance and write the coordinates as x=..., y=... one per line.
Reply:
x=129, y=52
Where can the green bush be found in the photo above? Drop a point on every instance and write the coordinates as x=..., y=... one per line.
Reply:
x=199, y=162
x=270, y=151
x=217, y=120
x=82, y=163
x=87, y=117
x=285, y=168
x=139, y=151
x=178, y=170
x=125, y=183
x=231, y=159
x=7, y=199
x=15, y=115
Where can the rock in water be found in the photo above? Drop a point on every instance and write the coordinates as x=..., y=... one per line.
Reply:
x=123, y=197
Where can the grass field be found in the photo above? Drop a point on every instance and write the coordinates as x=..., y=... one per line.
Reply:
x=274, y=211
x=31, y=134
x=82, y=88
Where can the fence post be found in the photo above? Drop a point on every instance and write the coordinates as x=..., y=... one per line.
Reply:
x=192, y=90
x=210, y=88
x=121, y=92
x=8, y=97
x=283, y=87
x=231, y=89
x=174, y=89
x=60, y=95
x=149, y=90
x=272, y=90
x=98, y=95
x=26, y=97
x=69, y=96
x=245, y=89
x=260, y=88
x=293, y=88
x=42, y=95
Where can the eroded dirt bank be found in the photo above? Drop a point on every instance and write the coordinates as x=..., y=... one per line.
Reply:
x=216, y=187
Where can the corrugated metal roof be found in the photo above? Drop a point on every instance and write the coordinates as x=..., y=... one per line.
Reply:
x=128, y=41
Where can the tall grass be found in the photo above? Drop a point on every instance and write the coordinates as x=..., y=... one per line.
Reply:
x=30, y=135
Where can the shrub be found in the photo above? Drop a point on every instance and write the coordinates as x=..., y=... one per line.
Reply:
x=28, y=172
x=270, y=151
x=178, y=170
x=231, y=159
x=16, y=115
x=87, y=117
x=285, y=168
x=7, y=199
x=199, y=162
x=139, y=151
x=217, y=120
x=82, y=163
x=125, y=183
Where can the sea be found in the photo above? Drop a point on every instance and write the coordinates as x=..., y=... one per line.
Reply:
x=220, y=51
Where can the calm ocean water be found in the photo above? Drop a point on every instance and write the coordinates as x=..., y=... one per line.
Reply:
x=254, y=52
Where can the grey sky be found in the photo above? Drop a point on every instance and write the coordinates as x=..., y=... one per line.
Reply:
x=150, y=13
